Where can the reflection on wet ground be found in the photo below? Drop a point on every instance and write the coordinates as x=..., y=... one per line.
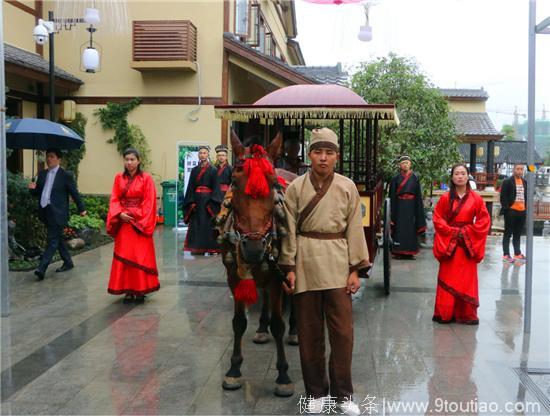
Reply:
x=70, y=348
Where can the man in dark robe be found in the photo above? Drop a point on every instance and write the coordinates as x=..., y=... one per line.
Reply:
x=291, y=160
x=225, y=170
x=201, y=204
x=407, y=211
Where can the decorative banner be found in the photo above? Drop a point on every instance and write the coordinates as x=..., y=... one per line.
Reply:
x=188, y=158
x=365, y=210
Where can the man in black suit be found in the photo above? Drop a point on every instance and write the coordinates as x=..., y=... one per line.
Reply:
x=513, y=206
x=53, y=188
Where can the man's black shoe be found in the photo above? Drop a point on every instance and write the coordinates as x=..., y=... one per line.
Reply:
x=64, y=268
x=39, y=275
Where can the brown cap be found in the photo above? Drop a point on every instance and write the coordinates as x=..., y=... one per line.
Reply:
x=323, y=139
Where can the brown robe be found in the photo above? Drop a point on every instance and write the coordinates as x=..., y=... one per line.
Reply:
x=322, y=264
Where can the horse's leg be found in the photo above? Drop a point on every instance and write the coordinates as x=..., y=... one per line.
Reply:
x=284, y=387
x=262, y=333
x=232, y=379
x=292, y=327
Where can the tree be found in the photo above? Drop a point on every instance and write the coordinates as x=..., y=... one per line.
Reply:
x=425, y=132
x=509, y=132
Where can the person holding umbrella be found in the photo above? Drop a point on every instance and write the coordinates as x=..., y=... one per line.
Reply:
x=53, y=188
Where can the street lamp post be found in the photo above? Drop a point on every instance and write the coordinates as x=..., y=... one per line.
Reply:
x=4, y=278
x=534, y=29
x=52, y=70
x=45, y=31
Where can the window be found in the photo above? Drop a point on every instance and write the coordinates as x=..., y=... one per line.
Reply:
x=254, y=34
x=242, y=10
x=268, y=44
x=261, y=36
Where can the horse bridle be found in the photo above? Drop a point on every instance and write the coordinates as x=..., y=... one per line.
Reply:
x=266, y=232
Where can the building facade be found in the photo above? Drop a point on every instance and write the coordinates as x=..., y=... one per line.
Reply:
x=180, y=57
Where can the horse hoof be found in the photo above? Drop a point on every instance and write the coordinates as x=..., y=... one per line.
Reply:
x=232, y=383
x=260, y=338
x=292, y=340
x=284, y=390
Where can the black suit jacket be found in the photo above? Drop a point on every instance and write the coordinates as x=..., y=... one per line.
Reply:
x=57, y=212
x=508, y=193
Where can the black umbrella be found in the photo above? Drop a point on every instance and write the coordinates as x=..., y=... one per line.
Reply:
x=40, y=134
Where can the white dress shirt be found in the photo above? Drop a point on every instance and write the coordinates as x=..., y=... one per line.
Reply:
x=47, y=191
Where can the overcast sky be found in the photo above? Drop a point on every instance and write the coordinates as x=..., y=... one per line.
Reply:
x=458, y=43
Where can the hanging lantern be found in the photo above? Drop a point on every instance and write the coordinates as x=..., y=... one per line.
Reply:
x=365, y=33
x=90, y=60
x=479, y=152
x=497, y=151
x=90, y=52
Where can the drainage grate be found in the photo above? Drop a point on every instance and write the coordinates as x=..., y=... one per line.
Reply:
x=536, y=381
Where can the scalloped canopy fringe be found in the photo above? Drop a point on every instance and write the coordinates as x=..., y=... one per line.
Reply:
x=267, y=115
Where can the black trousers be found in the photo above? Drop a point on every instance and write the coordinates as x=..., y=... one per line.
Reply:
x=54, y=243
x=514, y=222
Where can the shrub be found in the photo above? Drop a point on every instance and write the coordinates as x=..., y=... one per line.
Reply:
x=22, y=208
x=96, y=206
x=78, y=222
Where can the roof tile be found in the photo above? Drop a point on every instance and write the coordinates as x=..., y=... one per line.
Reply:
x=473, y=124
x=22, y=57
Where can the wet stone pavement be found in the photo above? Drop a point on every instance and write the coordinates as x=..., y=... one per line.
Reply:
x=71, y=348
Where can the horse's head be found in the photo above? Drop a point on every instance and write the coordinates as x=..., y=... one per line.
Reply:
x=254, y=180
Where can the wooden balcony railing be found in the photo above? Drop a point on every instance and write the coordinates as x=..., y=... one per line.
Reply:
x=164, y=45
x=541, y=210
x=484, y=180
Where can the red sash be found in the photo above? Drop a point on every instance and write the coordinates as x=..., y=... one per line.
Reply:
x=404, y=182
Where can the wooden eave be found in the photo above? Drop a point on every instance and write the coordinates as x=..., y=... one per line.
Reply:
x=273, y=68
x=34, y=75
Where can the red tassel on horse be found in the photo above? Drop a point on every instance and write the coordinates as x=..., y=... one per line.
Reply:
x=246, y=291
x=257, y=168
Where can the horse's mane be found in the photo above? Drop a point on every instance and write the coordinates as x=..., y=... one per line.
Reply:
x=287, y=175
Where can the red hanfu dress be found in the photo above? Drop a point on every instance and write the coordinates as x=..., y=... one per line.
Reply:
x=134, y=268
x=461, y=228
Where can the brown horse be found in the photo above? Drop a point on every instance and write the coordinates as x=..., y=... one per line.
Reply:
x=250, y=230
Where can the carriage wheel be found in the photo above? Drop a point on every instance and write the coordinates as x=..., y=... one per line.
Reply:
x=386, y=246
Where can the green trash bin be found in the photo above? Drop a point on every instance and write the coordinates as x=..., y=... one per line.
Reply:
x=169, y=191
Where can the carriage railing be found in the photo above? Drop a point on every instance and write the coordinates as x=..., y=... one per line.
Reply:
x=359, y=143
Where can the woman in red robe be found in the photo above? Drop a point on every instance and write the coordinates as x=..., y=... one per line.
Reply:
x=131, y=222
x=461, y=224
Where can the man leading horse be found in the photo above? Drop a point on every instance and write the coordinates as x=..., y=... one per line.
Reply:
x=322, y=255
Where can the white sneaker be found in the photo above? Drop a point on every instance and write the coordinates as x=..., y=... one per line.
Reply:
x=315, y=406
x=349, y=408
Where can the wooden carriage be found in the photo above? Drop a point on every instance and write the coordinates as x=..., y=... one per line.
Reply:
x=295, y=109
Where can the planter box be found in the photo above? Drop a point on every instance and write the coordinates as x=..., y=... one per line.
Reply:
x=89, y=235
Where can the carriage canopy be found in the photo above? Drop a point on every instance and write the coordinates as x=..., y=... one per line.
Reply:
x=299, y=102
